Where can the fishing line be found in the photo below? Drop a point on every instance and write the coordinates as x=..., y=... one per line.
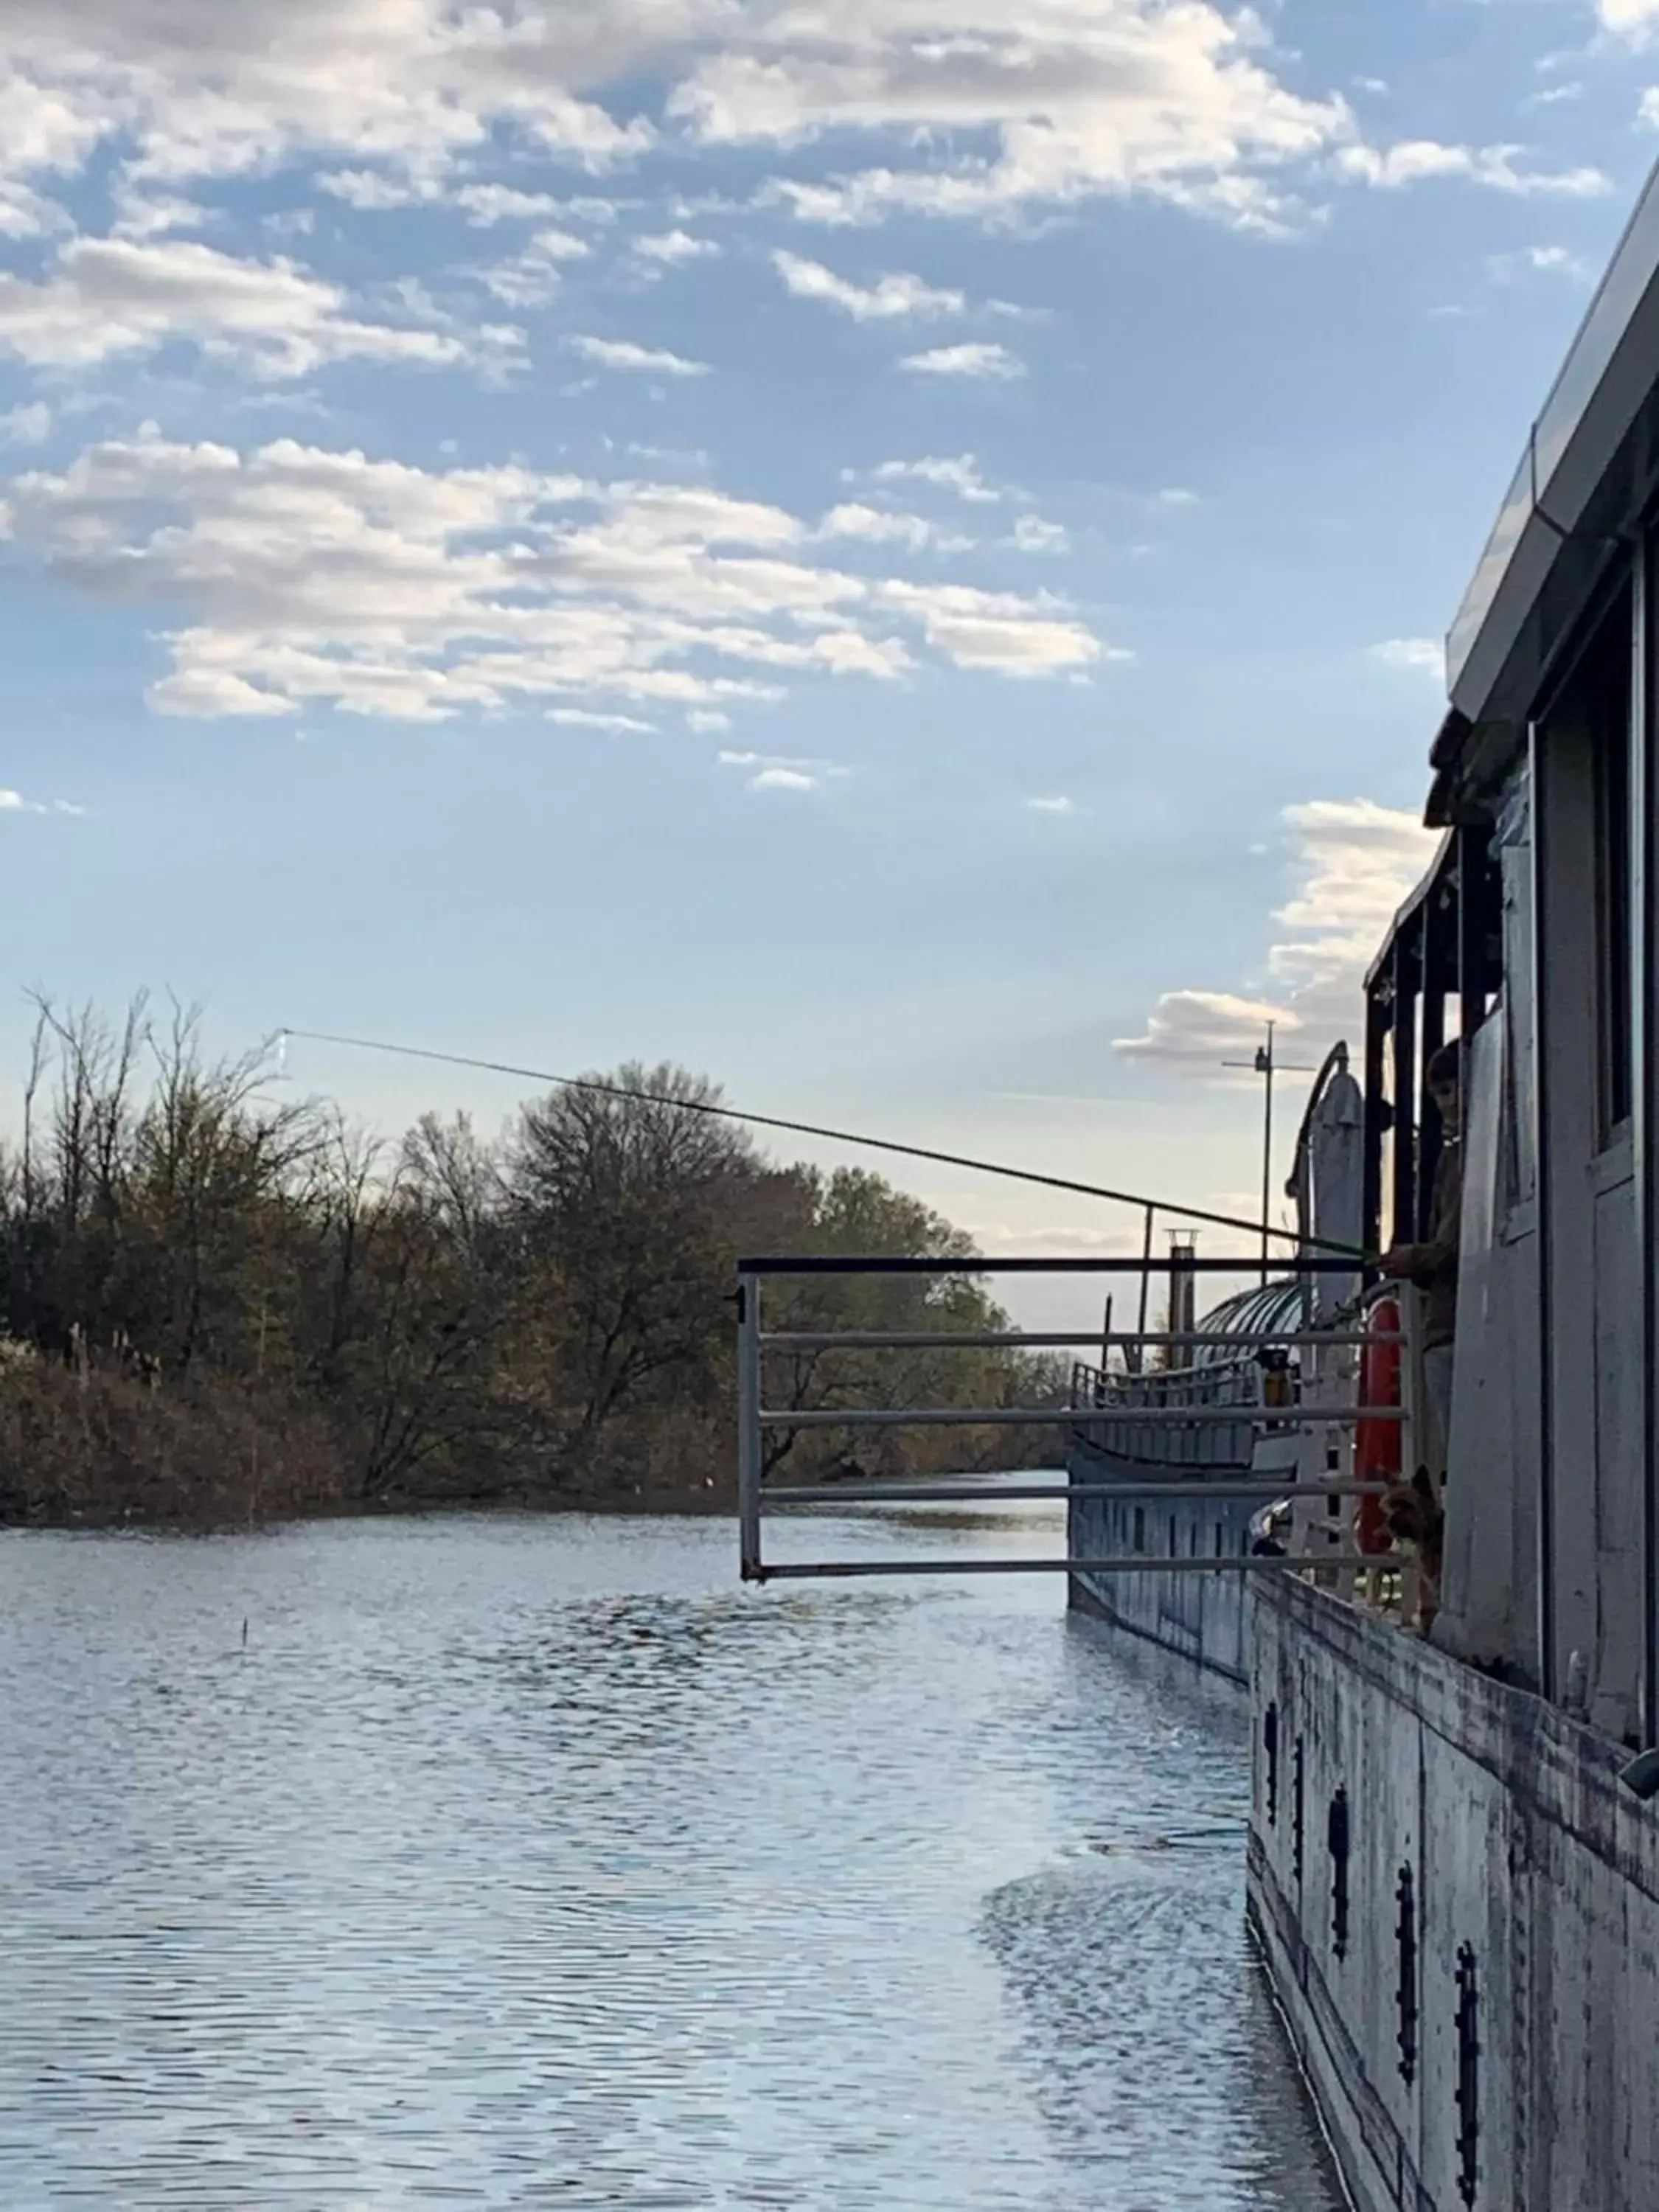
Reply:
x=594, y=1088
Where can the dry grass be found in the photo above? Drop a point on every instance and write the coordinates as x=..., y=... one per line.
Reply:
x=101, y=1449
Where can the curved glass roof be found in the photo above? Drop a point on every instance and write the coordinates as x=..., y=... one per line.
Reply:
x=1269, y=1311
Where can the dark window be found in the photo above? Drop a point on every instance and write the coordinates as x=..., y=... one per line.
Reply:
x=1337, y=1838
x=1140, y=1527
x=1298, y=1824
x=1270, y=1744
x=1405, y=1930
x=1606, y=680
x=1467, y=2094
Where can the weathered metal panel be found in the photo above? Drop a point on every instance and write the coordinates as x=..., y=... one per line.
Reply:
x=1619, y=1470
x=1534, y=1866
x=1202, y=1616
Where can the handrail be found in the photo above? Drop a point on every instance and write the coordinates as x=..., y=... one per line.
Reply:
x=1226, y=1395
x=968, y=1493
x=888, y=1263
x=1136, y=1564
x=1031, y=1417
x=875, y=1340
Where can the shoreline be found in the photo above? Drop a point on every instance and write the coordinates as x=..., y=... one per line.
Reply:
x=653, y=1501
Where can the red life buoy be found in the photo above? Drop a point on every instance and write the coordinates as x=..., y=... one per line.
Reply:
x=1376, y=1444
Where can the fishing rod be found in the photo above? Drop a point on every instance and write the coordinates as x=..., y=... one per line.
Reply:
x=593, y=1087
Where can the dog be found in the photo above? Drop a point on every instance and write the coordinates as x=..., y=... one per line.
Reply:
x=1414, y=1518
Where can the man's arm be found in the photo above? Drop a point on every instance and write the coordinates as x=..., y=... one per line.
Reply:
x=1424, y=1264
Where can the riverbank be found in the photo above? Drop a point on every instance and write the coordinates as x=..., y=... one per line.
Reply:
x=87, y=1448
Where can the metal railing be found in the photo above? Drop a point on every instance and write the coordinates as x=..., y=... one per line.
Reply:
x=1171, y=1404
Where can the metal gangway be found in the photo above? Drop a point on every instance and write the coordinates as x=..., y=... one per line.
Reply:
x=1184, y=1412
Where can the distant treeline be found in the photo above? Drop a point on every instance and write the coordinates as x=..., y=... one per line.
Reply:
x=220, y=1302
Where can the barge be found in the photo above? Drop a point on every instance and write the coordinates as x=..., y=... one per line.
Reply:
x=1454, y=1846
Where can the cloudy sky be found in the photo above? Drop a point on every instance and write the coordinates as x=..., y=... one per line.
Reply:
x=894, y=558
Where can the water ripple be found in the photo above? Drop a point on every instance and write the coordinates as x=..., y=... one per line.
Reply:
x=528, y=1864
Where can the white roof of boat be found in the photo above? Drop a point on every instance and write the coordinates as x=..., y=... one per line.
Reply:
x=1610, y=370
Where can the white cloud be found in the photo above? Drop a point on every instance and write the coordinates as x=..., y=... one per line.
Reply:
x=1033, y=535
x=890, y=298
x=554, y=245
x=993, y=363
x=1176, y=495
x=1356, y=864
x=300, y=575
x=770, y=772
x=585, y=718
x=148, y=214
x=637, y=360
x=488, y=204
x=1057, y=805
x=1075, y=97
x=671, y=249
x=196, y=88
x=1079, y=97
x=1197, y=1030
x=110, y=296
x=531, y=278
x=27, y=424
x=879, y=527
x=707, y=722
x=1414, y=160
x=1631, y=19
x=1648, y=106
x=1425, y=656
x=371, y=191
x=996, y=629
x=961, y=476
x=397, y=101
x=13, y=802
x=1542, y=260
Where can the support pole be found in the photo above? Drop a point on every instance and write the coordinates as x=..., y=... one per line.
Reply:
x=1146, y=1288
x=1407, y=971
x=1544, y=988
x=749, y=1445
x=1265, y=1062
x=1644, y=1044
x=1376, y=1031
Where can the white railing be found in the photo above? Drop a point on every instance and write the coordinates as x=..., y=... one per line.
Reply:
x=1165, y=1405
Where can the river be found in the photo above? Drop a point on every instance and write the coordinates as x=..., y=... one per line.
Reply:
x=518, y=1862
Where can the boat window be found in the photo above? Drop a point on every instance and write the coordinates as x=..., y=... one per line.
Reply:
x=1270, y=1744
x=1339, y=1838
x=1406, y=1982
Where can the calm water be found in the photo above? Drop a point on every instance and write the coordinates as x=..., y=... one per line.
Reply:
x=527, y=1863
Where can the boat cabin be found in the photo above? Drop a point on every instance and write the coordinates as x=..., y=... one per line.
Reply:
x=1534, y=938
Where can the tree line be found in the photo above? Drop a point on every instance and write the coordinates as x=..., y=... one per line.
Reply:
x=220, y=1301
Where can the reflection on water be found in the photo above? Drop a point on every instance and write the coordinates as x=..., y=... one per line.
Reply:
x=521, y=1864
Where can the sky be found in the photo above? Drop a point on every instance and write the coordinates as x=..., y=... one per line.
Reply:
x=891, y=552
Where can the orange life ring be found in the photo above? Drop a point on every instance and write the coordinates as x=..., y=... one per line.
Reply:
x=1376, y=1444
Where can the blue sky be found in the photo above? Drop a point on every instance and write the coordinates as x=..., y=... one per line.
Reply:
x=890, y=558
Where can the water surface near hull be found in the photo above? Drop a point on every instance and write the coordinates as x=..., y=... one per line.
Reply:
x=521, y=1862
